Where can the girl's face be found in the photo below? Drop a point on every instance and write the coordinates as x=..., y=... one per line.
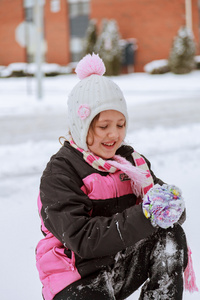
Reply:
x=107, y=133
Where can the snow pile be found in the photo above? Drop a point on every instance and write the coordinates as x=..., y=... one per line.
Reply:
x=157, y=66
x=24, y=69
x=161, y=66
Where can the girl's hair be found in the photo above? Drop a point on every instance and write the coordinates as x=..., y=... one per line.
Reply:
x=92, y=126
x=62, y=138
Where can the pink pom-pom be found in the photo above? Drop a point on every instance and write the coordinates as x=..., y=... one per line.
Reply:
x=90, y=64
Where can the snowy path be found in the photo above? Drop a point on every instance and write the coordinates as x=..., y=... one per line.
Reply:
x=33, y=127
x=44, y=126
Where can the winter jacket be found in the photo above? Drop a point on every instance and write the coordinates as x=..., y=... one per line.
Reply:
x=87, y=217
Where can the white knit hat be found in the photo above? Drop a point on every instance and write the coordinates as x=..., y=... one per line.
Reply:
x=93, y=94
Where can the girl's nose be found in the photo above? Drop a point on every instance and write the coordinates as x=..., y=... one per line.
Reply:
x=114, y=134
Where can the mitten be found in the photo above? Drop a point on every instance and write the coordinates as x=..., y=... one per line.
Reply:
x=163, y=205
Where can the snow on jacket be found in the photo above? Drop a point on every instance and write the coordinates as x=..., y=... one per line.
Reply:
x=87, y=217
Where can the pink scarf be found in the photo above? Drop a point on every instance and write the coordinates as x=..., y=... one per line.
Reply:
x=141, y=179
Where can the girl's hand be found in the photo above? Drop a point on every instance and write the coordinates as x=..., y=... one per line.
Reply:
x=163, y=205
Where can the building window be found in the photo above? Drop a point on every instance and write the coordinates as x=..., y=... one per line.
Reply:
x=78, y=18
x=28, y=14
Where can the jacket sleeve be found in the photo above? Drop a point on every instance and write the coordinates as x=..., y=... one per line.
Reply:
x=66, y=214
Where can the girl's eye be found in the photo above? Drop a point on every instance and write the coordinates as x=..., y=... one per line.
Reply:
x=121, y=126
x=103, y=127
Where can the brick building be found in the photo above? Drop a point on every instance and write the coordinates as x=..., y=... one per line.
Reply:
x=152, y=23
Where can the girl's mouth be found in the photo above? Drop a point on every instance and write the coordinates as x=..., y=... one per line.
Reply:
x=109, y=145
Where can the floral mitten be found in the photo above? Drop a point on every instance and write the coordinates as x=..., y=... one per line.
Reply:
x=163, y=205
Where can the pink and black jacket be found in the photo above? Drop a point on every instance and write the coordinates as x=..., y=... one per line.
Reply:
x=87, y=217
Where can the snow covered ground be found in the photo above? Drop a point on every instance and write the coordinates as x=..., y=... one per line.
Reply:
x=172, y=147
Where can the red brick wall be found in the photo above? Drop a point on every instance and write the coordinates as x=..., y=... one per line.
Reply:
x=153, y=23
x=57, y=34
x=11, y=15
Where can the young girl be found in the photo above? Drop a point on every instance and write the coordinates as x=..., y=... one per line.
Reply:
x=110, y=224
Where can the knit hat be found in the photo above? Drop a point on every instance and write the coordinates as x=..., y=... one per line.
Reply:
x=93, y=94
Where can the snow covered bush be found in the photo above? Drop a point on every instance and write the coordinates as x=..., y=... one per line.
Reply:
x=160, y=66
x=181, y=57
x=108, y=47
x=91, y=38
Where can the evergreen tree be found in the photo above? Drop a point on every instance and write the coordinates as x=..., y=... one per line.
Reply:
x=91, y=37
x=181, y=58
x=108, y=47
